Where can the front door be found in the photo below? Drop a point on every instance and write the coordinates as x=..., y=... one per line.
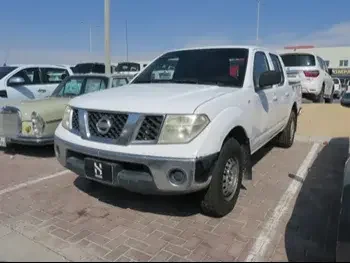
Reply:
x=264, y=102
x=31, y=87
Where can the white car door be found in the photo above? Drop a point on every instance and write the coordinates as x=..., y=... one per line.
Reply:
x=51, y=77
x=24, y=84
x=326, y=77
x=283, y=92
x=265, y=101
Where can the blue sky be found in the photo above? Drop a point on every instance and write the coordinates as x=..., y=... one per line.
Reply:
x=155, y=25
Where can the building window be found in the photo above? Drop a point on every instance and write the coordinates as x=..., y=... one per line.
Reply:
x=343, y=63
x=327, y=63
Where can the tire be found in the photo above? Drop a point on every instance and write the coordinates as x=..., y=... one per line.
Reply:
x=320, y=97
x=331, y=98
x=214, y=203
x=286, y=138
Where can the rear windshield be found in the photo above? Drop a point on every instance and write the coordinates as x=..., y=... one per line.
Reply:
x=127, y=67
x=298, y=60
x=6, y=70
x=336, y=81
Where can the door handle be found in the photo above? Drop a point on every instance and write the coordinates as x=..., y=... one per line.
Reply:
x=274, y=98
x=42, y=90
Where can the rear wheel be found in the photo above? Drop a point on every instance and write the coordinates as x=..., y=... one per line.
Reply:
x=286, y=138
x=222, y=194
x=320, y=97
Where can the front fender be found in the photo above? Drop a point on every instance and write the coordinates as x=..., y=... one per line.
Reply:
x=221, y=126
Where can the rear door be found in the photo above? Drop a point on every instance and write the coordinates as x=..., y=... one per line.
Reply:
x=51, y=77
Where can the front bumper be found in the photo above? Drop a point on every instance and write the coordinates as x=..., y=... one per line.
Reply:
x=139, y=173
x=32, y=141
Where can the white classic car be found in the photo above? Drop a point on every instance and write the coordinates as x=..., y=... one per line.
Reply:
x=193, y=132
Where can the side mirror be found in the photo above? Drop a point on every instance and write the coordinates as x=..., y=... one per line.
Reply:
x=16, y=81
x=345, y=102
x=330, y=71
x=269, y=78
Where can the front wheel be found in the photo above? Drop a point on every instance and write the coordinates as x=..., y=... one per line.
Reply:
x=222, y=194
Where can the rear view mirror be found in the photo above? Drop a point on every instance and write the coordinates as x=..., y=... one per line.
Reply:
x=16, y=81
x=269, y=78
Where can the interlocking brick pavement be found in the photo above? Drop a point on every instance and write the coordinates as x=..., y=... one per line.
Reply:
x=106, y=224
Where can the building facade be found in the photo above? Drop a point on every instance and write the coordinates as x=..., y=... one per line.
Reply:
x=336, y=58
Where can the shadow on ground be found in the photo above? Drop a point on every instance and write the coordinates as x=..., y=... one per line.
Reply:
x=311, y=232
x=46, y=151
x=181, y=205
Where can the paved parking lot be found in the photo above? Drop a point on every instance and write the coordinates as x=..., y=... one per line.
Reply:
x=54, y=209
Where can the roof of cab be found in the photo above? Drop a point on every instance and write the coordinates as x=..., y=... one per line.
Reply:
x=250, y=47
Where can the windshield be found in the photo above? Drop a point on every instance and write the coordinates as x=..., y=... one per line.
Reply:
x=6, y=70
x=128, y=66
x=336, y=81
x=79, y=85
x=298, y=60
x=117, y=82
x=225, y=67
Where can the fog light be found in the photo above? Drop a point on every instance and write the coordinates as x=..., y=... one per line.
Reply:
x=177, y=177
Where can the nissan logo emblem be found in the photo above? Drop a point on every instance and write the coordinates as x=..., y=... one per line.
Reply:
x=103, y=125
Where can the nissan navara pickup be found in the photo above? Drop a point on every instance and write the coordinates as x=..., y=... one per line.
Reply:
x=194, y=131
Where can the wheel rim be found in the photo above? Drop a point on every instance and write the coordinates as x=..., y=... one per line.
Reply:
x=230, y=178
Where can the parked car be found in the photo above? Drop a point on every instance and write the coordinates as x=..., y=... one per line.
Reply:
x=294, y=78
x=129, y=69
x=338, y=89
x=91, y=67
x=345, y=100
x=34, y=122
x=194, y=132
x=316, y=82
x=23, y=82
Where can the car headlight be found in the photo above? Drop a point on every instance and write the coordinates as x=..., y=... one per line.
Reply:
x=66, y=118
x=38, y=124
x=182, y=128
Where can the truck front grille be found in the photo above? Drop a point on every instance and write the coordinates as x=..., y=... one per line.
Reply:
x=150, y=128
x=118, y=121
x=10, y=122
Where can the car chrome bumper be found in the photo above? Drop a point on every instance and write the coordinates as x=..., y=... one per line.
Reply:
x=26, y=140
x=139, y=173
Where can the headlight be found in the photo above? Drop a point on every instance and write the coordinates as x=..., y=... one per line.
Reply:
x=182, y=128
x=66, y=117
x=38, y=124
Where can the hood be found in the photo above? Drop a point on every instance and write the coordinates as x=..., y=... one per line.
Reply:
x=151, y=98
x=49, y=108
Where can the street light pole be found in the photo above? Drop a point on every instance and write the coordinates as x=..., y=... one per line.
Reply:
x=90, y=39
x=126, y=41
x=257, y=22
x=107, y=37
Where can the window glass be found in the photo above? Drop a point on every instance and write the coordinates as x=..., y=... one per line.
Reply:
x=72, y=87
x=53, y=75
x=6, y=70
x=94, y=84
x=119, y=82
x=298, y=60
x=277, y=66
x=261, y=65
x=30, y=76
x=215, y=66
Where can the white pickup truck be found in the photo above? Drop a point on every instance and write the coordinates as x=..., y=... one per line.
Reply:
x=193, y=132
